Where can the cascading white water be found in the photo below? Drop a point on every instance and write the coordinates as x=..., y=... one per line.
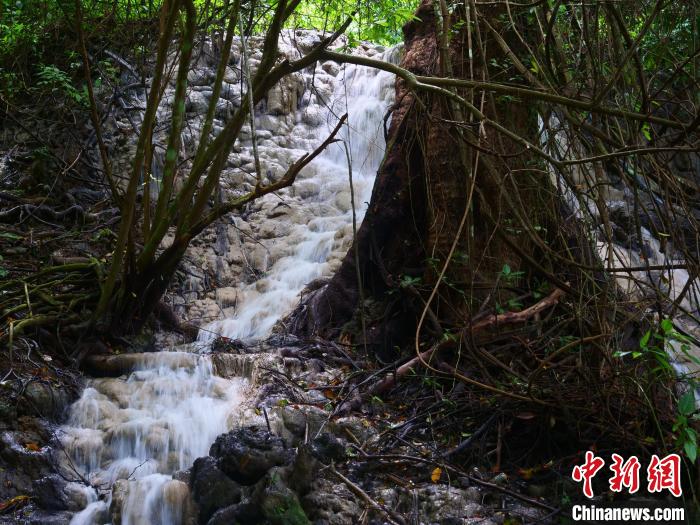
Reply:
x=365, y=94
x=144, y=427
x=128, y=435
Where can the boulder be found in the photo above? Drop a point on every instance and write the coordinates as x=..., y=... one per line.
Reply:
x=211, y=488
x=246, y=454
x=43, y=399
x=327, y=448
x=52, y=493
x=331, y=503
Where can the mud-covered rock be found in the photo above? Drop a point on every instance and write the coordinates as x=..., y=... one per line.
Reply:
x=211, y=488
x=331, y=503
x=43, y=399
x=246, y=454
x=327, y=448
x=276, y=502
x=50, y=493
x=25, y=456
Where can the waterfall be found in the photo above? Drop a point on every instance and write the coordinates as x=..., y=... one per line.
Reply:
x=145, y=427
x=128, y=436
x=365, y=94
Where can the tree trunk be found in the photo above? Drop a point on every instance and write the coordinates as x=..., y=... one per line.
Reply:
x=418, y=224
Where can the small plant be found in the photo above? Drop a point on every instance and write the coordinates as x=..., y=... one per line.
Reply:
x=56, y=81
x=510, y=276
x=408, y=281
x=687, y=437
x=658, y=345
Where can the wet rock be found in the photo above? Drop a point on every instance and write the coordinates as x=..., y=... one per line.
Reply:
x=120, y=490
x=303, y=470
x=41, y=518
x=50, y=493
x=211, y=488
x=197, y=102
x=312, y=116
x=297, y=420
x=24, y=457
x=200, y=77
x=281, y=507
x=327, y=448
x=231, y=514
x=231, y=75
x=246, y=454
x=331, y=504
x=43, y=399
x=224, y=344
x=332, y=68
x=306, y=189
x=275, y=502
x=121, y=364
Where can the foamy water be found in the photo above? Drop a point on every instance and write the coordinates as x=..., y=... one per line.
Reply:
x=144, y=427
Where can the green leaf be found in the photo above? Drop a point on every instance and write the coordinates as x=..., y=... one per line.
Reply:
x=686, y=404
x=691, y=450
x=667, y=325
x=645, y=339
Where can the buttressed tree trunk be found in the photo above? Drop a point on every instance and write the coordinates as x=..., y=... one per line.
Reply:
x=452, y=196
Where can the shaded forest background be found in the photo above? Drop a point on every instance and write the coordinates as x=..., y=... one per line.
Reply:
x=517, y=272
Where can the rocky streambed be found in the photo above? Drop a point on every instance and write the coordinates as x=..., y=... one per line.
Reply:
x=240, y=435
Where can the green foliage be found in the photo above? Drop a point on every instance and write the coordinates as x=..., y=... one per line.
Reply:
x=657, y=345
x=53, y=80
x=510, y=276
x=379, y=22
x=408, y=281
x=687, y=437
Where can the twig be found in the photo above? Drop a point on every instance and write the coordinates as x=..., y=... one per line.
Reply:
x=392, y=516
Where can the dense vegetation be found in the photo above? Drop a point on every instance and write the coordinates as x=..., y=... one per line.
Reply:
x=519, y=130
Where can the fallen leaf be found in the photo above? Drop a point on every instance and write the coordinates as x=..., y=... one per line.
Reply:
x=13, y=504
x=435, y=475
x=527, y=473
x=32, y=446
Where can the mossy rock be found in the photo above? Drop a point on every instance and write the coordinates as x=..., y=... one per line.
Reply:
x=281, y=507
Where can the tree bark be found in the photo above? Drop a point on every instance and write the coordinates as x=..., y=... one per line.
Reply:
x=418, y=222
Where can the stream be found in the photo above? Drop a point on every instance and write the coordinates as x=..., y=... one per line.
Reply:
x=130, y=436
